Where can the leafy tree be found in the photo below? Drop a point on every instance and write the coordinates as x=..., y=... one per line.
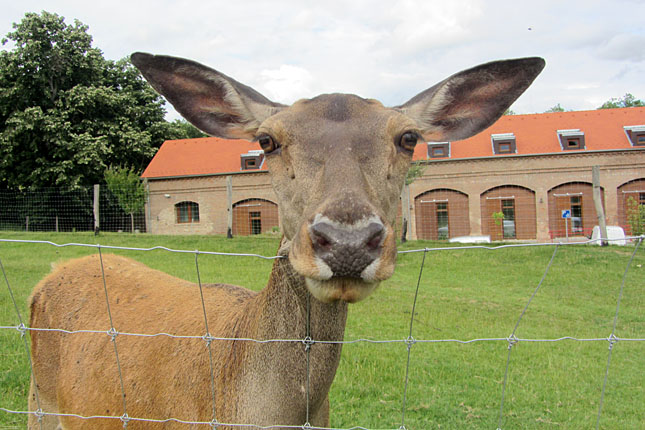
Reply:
x=130, y=192
x=556, y=108
x=415, y=171
x=509, y=111
x=635, y=217
x=66, y=113
x=627, y=100
x=182, y=129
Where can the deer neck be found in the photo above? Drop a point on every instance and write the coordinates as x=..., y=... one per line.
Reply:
x=290, y=312
x=285, y=310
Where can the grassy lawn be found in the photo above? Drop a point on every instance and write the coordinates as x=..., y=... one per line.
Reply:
x=464, y=295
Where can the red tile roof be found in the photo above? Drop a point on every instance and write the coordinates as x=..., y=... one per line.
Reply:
x=534, y=134
x=201, y=156
x=537, y=133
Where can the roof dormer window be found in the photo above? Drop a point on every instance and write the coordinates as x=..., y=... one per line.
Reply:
x=571, y=139
x=635, y=134
x=439, y=150
x=252, y=160
x=503, y=143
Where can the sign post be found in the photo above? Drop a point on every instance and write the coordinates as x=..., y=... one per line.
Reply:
x=566, y=214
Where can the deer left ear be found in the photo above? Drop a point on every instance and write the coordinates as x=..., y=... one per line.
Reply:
x=470, y=101
x=210, y=100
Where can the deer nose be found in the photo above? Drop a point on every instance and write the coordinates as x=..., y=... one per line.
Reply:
x=347, y=249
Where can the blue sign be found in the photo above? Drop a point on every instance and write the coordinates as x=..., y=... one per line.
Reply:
x=566, y=213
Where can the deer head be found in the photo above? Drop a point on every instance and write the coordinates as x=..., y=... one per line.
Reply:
x=337, y=161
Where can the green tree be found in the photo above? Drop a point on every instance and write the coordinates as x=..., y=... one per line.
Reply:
x=556, y=108
x=182, y=129
x=130, y=192
x=66, y=113
x=415, y=171
x=635, y=217
x=627, y=100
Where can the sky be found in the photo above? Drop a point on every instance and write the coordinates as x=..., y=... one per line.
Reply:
x=388, y=50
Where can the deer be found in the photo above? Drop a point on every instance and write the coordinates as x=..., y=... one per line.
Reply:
x=337, y=163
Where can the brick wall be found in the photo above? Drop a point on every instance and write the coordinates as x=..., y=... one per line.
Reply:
x=466, y=184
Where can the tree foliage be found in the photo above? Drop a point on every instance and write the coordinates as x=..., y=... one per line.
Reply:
x=628, y=100
x=129, y=190
x=182, y=129
x=635, y=217
x=556, y=108
x=415, y=171
x=66, y=113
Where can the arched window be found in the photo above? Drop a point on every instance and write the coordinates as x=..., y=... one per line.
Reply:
x=187, y=212
x=441, y=214
x=509, y=212
x=576, y=198
x=254, y=216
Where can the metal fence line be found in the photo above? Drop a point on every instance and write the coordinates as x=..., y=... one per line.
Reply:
x=410, y=343
x=521, y=245
x=24, y=329
x=24, y=338
x=180, y=421
x=59, y=209
x=512, y=339
x=113, y=334
x=128, y=248
x=308, y=341
x=612, y=337
x=207, y=338
x=273, y=257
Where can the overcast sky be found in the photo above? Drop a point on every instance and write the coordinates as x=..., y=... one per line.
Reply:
x=388, y=50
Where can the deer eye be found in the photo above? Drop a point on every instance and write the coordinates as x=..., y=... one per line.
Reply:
x=408, y=140
x=267, y=143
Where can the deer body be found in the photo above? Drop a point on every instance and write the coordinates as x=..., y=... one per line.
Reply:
x=337, y=164
x=177, y=371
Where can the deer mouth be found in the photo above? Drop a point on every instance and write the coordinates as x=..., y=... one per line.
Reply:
x=344, y=261
x=350, y=290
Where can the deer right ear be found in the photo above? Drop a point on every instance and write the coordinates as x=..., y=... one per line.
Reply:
x=210, y=100
x=470, y=101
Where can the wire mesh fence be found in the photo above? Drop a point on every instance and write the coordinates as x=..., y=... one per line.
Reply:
x=413, y=362
x=505, y=212
x=60, y=210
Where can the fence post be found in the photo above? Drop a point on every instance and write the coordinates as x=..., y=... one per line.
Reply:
x=148, y=209
x=229, y=206
x=27, y=224
x=405, y=211
x=96, y=209
x=597, y=201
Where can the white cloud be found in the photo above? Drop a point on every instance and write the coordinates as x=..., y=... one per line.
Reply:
x=624, y=47
x=386, y=49
x=286, y=84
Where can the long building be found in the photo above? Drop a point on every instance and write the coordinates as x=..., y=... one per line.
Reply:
x=513, y=181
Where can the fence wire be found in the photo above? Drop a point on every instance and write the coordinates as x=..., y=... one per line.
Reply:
x=511, y=341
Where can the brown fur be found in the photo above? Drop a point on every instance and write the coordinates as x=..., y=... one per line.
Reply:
x=166, y=377
x=340, y=162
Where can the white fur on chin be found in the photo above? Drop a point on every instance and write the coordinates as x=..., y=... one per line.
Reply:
x=346, y=289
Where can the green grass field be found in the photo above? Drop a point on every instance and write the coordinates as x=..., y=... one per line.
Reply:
x=464, y=294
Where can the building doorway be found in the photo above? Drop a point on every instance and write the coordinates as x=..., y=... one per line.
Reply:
x=254, y=216
x=577, y=198
x=441, y=214
x=508, y=212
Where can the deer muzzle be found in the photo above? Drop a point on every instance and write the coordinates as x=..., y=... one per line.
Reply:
x=344, y=261
x=347, y=250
